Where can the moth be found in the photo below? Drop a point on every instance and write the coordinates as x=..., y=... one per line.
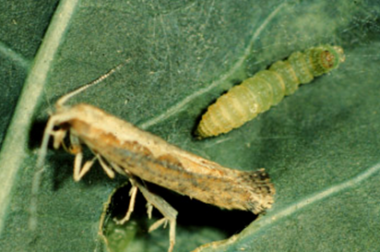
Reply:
x=122, y=148
x=257, y=94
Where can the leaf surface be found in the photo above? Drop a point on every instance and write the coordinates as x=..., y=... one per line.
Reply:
x=320, y=145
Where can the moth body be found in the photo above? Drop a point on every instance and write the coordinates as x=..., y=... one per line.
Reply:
x=144, y=155
x=122, y=148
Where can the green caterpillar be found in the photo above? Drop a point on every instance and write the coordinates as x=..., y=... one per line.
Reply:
x=257, y=94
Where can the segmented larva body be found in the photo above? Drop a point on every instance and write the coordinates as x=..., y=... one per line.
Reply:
x=267, y=88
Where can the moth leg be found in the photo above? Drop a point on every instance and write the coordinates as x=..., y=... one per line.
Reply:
x=131, y=207
x=108, y=170
x=169, y=213
x=132, y=193
x=58, y=136
x=79, y=171
x=149, y=209
x=105, y=216
x=120, y=170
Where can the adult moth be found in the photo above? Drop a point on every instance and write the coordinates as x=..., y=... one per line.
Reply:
x=122, y=148
x=257, y=94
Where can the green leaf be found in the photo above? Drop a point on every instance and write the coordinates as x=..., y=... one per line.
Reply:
x=321, y=145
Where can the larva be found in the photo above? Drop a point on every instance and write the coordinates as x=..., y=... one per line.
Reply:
x=257, y=94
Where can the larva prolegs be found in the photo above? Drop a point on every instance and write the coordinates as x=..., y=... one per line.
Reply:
x=265, y=89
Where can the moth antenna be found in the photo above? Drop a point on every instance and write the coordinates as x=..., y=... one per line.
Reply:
x=60, y=103
x=38, y=174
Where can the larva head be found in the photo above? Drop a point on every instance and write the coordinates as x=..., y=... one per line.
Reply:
x=326, y=58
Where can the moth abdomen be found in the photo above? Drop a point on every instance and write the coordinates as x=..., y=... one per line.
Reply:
x=267, y=88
